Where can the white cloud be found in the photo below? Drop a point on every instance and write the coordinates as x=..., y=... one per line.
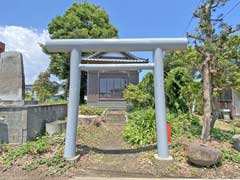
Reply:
x=26, y=41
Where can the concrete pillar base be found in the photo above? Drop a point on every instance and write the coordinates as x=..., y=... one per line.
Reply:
x=169, y=158
x=73, y=159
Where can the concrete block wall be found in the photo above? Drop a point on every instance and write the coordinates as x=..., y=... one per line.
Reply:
x=38, y=115
x=19, y=124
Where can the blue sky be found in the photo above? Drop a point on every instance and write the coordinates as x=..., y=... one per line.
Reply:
x=133, y=19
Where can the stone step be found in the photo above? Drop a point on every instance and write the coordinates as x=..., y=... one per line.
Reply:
x=56, y=127
x=112, y=105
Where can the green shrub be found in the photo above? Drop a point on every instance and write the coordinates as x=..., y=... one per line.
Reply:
x=90, y=110
x=141, y=127
x=186, y=125
x=141, y=95
x=222, y=135
x=182, y=91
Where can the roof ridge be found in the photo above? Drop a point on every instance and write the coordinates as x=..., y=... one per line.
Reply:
x=128, y=54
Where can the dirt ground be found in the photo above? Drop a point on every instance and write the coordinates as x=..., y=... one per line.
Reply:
x=103, y=153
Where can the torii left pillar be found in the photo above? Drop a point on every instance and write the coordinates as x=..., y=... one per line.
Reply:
x=73, y=103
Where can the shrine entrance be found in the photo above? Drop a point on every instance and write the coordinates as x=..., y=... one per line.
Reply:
x=155, y=45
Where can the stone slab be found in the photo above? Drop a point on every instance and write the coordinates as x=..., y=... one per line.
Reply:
x=55, y=127
x=11, y=76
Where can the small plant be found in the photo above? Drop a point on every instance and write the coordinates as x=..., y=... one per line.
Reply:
x=237, y=123
x=231, y=155
x=31, y=148
x=55, y=164
x=90, y=110
x=141, y=127
x=222, y=135
x=45, y=151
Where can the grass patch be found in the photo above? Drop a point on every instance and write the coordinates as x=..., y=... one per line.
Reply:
x=231, y=155
x=45, y=151
x=58, y=101
x=30, y=148
x=90, y=110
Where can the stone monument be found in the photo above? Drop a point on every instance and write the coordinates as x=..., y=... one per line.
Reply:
x=11, y=78
x=21, y=120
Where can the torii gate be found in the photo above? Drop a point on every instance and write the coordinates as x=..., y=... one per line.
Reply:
x=76, y=46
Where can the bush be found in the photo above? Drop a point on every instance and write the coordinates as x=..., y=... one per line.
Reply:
x=90, y=110
x=141, y=127
x=184, y=125
x=141, y=95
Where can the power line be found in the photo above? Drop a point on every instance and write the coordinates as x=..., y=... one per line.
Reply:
x=190, y=21
x=228, y=12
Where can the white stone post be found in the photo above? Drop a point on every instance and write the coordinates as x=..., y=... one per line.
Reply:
x=73, y=103
x=160, y=106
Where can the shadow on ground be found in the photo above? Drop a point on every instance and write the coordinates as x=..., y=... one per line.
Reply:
x=84, y=149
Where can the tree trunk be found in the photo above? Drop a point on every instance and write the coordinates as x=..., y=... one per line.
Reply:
x=207, y=109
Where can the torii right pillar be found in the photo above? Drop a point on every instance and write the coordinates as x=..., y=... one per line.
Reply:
x=160, y=106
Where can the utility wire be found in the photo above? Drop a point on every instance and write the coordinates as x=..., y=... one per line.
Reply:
x=228, y=12
x=190, y=21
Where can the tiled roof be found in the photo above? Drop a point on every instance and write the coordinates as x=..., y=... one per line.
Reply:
x=124, y=57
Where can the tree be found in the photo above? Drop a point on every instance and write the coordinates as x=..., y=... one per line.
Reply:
x=183, y=89
x=210, y=37
x=44, y=87
x=80, y=21
x=180, y=90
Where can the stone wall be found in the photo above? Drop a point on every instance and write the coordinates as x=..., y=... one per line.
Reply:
x=21, y=123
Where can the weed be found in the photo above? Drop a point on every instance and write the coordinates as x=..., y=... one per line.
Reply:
x=90, y=110
x=231, y=155
x=32, y=148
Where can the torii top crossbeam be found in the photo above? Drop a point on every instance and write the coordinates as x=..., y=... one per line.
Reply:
x=116, y=45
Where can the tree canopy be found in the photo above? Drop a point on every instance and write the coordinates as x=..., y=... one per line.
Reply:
x=81, y=20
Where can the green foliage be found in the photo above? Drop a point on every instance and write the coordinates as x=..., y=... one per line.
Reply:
x=44, y=87
x=80, y=21
x=28, y=96
x=236, y=123
x=32, y=148
x=222, y=135
x=141, y=95
x=182, y=92
x=182, y=72
x=179, y=90
x=231, y=155
x=184, y=125
x=56, y=164
x=45, y=151
x=90, y=110
x=141, y=127
x=57, y=101
x=227, y=66
x=188, y=59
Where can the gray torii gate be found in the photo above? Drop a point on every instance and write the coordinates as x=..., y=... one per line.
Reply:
x=76, y=46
